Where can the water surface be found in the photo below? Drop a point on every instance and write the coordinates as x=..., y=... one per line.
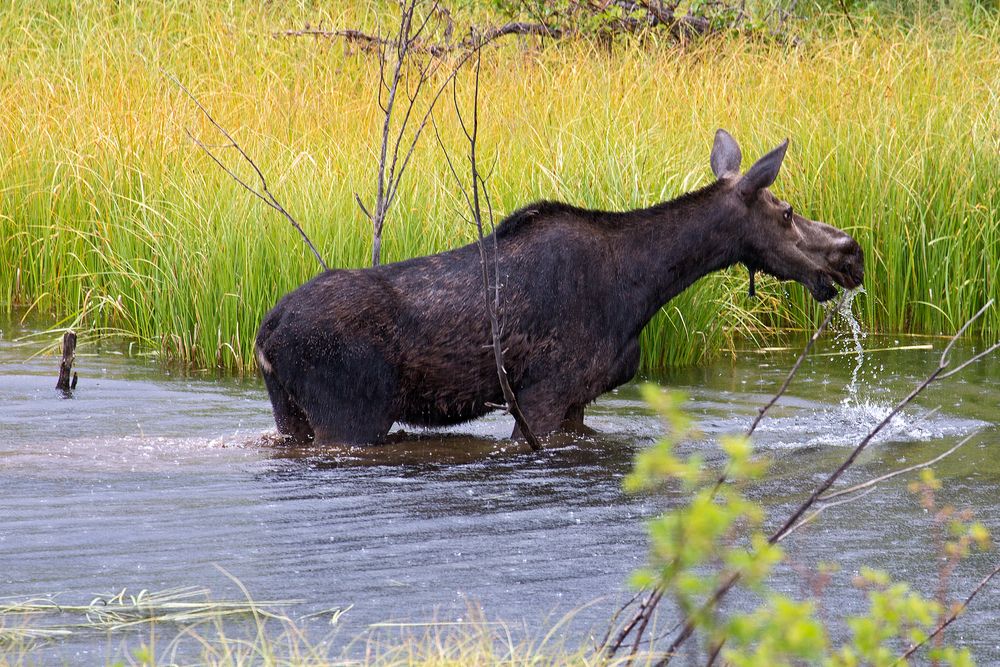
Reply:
x=150, y=479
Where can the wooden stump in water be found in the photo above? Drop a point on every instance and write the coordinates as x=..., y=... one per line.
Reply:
x=66, y=365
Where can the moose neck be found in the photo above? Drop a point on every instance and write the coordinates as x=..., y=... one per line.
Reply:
x=674, y=244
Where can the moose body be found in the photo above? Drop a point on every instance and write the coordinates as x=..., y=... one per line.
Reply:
x=353, y=351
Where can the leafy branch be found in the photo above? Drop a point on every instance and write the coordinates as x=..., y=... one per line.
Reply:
x=703, y=532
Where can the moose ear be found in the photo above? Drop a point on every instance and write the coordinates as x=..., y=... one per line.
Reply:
x=763, y=172
x=726, y=156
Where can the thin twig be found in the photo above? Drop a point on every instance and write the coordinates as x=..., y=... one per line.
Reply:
x=614, y=620
x=264, y=194
x=375, y=42
x=951, y=618
x=972, y=360
x=654, y=602
x=896, y=473
x=492, y=303
x=812, y=517
x=381, y=203
x=945, y=360
x=843, y=6
x=390, y=167
x=626, y=630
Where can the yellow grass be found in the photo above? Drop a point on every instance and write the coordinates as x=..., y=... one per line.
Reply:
x=111, y=218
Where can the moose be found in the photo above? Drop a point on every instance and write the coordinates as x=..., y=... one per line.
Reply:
x=353, y=351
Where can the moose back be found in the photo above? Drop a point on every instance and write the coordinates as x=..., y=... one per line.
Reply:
x=351, y=352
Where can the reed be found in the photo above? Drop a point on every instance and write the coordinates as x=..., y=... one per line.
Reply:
x=112, y=219
x=189, y=626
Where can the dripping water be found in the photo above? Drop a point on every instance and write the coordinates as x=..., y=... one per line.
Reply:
x=858, y=410
x=857, y=335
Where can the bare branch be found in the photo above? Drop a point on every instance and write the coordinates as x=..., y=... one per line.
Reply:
x=427, y=19
x=376, y=42
x=896, y=473
x=945, y=360
x=461, y=120
x=951, y=618
x=643, y=612
x=390, y=168
x=972, y=360
x=820, y=510
x=227, y=169
x=396, y=174
x=653, y=601
x=361, y=204
x=451, y=166
x=423, y=122
x=638, y=17
x=264, y=194
x=614, y=621
x=367, y=41
x=521, y=28
x=492, y=304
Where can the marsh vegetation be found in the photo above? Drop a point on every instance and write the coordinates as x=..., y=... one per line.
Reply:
x=112, y=220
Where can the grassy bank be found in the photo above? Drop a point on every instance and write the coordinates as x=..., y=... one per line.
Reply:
x=112, y=218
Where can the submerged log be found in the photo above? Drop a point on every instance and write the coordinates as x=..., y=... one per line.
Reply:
x=66, y=365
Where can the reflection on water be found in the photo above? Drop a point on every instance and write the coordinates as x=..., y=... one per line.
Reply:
x=150, y=480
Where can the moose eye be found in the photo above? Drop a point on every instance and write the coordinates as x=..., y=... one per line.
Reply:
x=788, y=214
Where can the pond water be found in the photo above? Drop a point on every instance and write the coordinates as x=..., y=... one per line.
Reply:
x=149, y=479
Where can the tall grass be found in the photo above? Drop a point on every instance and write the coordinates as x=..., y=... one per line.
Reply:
x=111, y=218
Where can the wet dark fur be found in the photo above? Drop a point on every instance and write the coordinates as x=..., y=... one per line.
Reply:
x=353, y=351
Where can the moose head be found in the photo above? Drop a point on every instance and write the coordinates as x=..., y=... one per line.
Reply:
x=773, y=237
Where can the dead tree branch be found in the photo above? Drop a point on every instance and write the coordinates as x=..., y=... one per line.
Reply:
x=64, y=383
x=395, y=154
x=264, y=194
x=491, y=277
x=636, y=18
x=374, y=42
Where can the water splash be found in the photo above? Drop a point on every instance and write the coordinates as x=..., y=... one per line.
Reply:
x=858, y=411
x=821, y=425
x=856, y=336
